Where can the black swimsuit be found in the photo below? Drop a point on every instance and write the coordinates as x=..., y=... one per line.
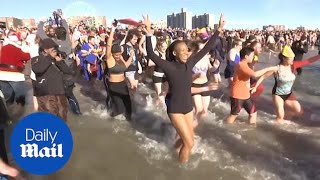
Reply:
x=118, y=68
x=179, y=76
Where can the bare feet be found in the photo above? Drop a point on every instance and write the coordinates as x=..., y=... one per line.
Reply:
x=279, y=121
x=253, y=124
x=230, y=120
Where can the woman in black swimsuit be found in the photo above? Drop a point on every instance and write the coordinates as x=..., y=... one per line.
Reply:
x=179, y=75
x=117, y=86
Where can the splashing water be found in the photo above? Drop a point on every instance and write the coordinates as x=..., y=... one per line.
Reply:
x=265, y=152
x=149, y=104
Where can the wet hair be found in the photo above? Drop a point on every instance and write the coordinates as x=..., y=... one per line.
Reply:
x=61, y=33
x=116, y=48
x=246, y=52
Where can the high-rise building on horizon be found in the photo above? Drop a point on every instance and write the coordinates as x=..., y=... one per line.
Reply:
x=202, y=21
x=180, y=20
x=185, y=20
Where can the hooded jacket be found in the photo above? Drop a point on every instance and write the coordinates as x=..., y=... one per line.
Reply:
x=49, y=75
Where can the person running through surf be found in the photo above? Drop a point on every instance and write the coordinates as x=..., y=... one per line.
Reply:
x=159, y=79
x=130, y=44
x=284, y=75
x=116, y=81
x=179, y=74
x=240, y=87
x=201, y=100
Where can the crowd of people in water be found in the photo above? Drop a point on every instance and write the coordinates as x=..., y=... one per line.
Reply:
x=184, y=66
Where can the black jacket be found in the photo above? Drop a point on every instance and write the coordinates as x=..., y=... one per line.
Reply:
x=219, y=52
x=49, y=75
x=299, y=49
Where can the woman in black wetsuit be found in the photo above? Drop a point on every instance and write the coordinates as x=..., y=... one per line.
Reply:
x=179, y=75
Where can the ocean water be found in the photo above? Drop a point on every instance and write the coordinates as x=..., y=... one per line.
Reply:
x=114, y=149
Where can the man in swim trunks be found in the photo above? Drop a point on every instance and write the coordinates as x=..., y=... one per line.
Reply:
x=240, y=88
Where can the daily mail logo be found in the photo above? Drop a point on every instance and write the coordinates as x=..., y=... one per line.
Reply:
x=41, y=143
x=33, y=150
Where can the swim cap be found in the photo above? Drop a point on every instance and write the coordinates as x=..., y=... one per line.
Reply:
x=287, y=52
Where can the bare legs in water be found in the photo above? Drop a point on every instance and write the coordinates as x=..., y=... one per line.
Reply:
x=251, y=120
x=183, y=123
x=201, y=104
x=294, y=105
